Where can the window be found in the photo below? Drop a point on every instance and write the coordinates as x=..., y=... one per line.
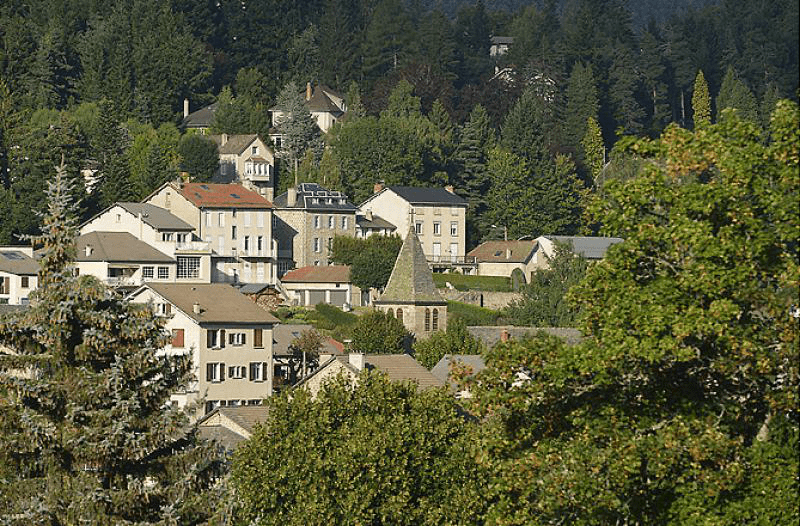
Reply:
x=237, y=372
x=215, y=338
x=119, y=218
x=435, y=325
x=258, y=338
x=208, y=219
x=427, y=320
x=316, y=245
x=344, y=223
x=317, y=221
x=233, y=232
x=181, y=238
x=236, y=338
x=331, y=222
x=177, y=337
x=247, y=219
x=260, y=219
x=418, y=227
x=166, y=236
x=260, y=244
x=163, y=309
x=329, y=244
x=188, y=267
x=163, y=272
x=221, y=218
x=437, y=228
x=258, y=371
x=454, y=228
x=246, y=244
x=254, y=150
x=5, y=285
x=400, y=315
x=215, y=372
x=24, y=282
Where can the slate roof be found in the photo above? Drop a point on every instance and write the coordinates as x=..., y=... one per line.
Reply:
x=211, y=195
x=308, y=193
x=284, y=334
x=318, y=274
x=376, y=222
x=442, y=368
x=18, y=262
x=411, y=280
x=320, y=102
x=219, y=302
x=502, y=40
x=588, y=247
x=427, y=196
x=155, y=216
x=400, y=368
x=495, y=251
x=201, y=118
x=119, y=247
x=491, y=335
x=235, y=144
x=244, y=416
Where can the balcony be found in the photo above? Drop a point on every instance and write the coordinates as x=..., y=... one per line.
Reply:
x=123, y=281
x=193, y=246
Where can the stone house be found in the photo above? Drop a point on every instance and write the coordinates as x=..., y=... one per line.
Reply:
x=246, y=160
x=502, y=258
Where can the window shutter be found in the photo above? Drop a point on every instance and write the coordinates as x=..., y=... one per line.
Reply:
x=258, y=337
x=167, y=308
x=244, y=372
x=209, y=338
x=230, y=338
x=209, y=372
x=243, y=337
x=222, y=337
x=222, y=372
x=177, y=337
x=264, y=371
x=253, y=371
x=231, y=371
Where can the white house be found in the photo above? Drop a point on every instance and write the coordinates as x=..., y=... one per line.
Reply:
x=246, y=160
x=18, y=274
x=228, y=336
x=118, y=259
x=312, y=285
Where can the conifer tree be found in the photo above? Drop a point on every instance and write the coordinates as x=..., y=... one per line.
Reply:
x=736, y=95
x=87, y=435
x=593, y=150
x=701, y=101
x=471, y=157
x=582, y=103
x=300, y=132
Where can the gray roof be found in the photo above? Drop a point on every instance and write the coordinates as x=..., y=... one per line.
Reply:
x=492, y=335
x=421, y=196
x=17, y=262
x=321, y=103
x=588, y=247
x=502, y=40
x=376, y=222
x=235, y=144
x=442, y=368
x=201, y=118
x=157, y=217
x=245, y=416
x=312, y=196
x=401, y=368
x=411, y=280
x=119, y=247
x=219, y=303
x=284, y=334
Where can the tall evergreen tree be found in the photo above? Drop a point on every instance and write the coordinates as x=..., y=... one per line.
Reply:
x=628, y=114
x=593, y=150
x=471, y=157
x=701, y=101
x=652, y=66
x=735, y=94
x=387, y=40
x=582, y=103
x=529, y=128
x=87, y=434
x=300, y=132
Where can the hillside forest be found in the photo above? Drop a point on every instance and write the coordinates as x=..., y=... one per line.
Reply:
x=104, y=83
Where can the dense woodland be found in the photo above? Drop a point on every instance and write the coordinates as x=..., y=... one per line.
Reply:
x=104, y=83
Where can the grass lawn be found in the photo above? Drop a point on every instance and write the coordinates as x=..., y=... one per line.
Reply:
x=464, y=282
x=472, y=314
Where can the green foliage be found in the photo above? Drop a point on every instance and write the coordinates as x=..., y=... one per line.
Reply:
x=330, y=317
x=701, y=101
x=466, y=282
x=299, y=130
x=378, y=332
x=374, y=453
x=471, y=314
x=544, y=302
x=371, y=260
x=456, y=340
x=199, y=157
x=735, y=94
x=593, y=150
x=582, y=105
x=88, y=434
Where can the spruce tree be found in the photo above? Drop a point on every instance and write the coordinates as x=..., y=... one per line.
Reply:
x=87, y=434
x=701, y=101
x=593, y=150
x=300, y=132
x=471, y=157
x=582, y=103
x=734, y=94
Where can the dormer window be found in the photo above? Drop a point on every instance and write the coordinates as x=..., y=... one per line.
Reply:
x=254, y=150
x=166, y=236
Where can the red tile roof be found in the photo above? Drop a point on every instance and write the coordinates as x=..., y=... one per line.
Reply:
x=314, y=274
x=211, y=195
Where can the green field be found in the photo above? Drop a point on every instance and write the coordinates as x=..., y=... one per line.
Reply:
x=464, y=282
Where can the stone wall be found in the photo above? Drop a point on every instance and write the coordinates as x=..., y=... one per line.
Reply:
x=487, y=299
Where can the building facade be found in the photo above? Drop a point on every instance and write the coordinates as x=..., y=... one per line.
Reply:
x=18, y=274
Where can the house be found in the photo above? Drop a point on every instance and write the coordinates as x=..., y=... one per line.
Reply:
x=234, y=222
x=18, y=274
x=308, y=286
x=503, y=258
x=410, y=294
x=397, y=367
x=160, y=229
x=228, y=336
x=200, y=120
x=291, y=366
x=118, y=259
x=246, y=160
x=368, y=224
x=499, y=45
x=590, y=248
x=229, y=426
x=471, y=364
x=324, y=104
x=307, y=218
x=437, y=214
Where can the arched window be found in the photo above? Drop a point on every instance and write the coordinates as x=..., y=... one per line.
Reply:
x=400, y=315
x=427, y=320
x=435, y=319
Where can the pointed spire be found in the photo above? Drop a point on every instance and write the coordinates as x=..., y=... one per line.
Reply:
x=411, y=279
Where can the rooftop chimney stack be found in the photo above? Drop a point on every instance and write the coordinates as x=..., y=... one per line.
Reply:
x=88, y=250
x=508, y=253
x=185, y=108
x=368, y=215
x=356, y=359
x=196, y=308
x=223, y=139
x=291, y=196
x=308, y=91
x=377, y=188
x=450, y=189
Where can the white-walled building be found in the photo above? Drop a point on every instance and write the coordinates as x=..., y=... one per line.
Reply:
x=18, y=274
x=246, y=160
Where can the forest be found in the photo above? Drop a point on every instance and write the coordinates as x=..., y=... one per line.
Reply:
x=104, y=81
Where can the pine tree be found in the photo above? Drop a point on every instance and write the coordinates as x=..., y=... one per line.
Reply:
x=701, y=101
x=87, y=434
x=582, y=103
x=471, y=157
x=300, y=132
x=736, y=95
x=593, y=150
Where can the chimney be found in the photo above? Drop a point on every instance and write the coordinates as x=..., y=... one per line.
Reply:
x=308, y=91
x=223, y=139
x=196, y=308
x=508, y=253
x=185, y=108
x=88, y=250
x=377, y=188
x=356, y=359
x=450, y=189
x=368, y=215
x=291, y=196
x=504, y=336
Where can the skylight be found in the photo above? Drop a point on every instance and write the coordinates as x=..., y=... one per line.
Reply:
x=13, y=255
x=235, y=196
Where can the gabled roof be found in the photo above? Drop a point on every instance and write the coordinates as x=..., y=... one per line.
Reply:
x=201, y=118
x=503, y=251
x=321, y=103
x=411, y=280
x=120, y=247
x=312, y=196
x=155, y=216
x=318, y=274
x=427, y=196
x=231, y=425
x=401, y=368
x=18, y=262
x=376, y=222
x=211, y=195
x=502, y=40
x=235, y=144
x=219, y=303
x=588, y=247
x=284, y=334
x=442, y=368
